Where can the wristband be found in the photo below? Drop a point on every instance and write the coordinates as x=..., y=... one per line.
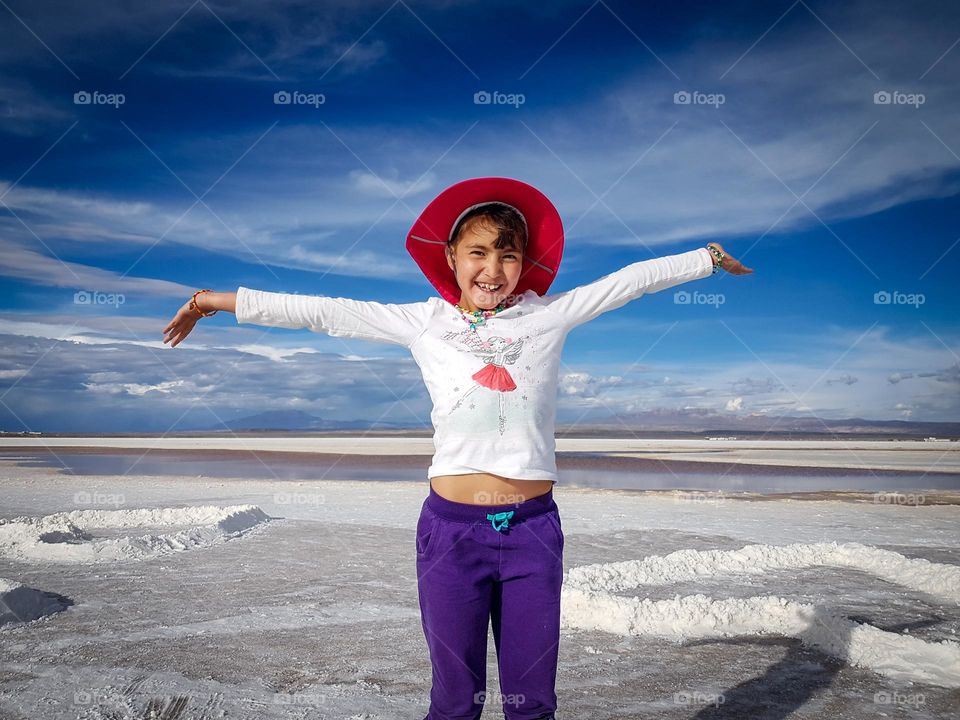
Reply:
x=193, y=305
x=719, y=256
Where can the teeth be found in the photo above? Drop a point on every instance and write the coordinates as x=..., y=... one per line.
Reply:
x=489, y=288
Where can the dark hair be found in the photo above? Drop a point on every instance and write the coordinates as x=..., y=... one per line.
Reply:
x=511, y=230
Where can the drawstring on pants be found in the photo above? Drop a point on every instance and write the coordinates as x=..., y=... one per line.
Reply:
x=501, y=516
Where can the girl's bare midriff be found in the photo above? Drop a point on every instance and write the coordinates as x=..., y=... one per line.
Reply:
x=486, y=489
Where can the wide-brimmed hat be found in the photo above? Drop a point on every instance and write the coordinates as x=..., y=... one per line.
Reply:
x=428, y=238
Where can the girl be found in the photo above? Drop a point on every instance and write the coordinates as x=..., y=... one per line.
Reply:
x=489, y=542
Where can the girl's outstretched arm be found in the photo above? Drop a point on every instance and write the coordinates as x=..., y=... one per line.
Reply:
x=615, y=290
x=339, y=317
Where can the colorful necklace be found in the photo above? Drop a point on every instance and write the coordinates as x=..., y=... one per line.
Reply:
x=479, y=317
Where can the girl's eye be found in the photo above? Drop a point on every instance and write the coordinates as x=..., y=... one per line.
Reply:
x=478, y=252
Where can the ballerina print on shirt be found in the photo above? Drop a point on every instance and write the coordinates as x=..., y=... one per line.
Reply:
x=497, y=352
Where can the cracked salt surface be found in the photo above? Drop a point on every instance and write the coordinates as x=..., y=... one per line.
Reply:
x=744, y=608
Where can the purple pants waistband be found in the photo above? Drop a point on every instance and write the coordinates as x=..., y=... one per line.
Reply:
x=469, y=513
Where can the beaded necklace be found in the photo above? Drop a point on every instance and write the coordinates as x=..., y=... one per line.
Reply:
x=479, y=317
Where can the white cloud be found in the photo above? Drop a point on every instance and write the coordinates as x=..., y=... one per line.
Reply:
x=379, y=186
x=65, y=384
x=844, y=378
x=734, y=404
x=586, y=386
x=782, y=381
x=136, y=389
x=29, y=265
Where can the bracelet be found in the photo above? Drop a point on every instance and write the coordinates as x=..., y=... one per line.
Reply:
x=193, y=305
x=719, y=256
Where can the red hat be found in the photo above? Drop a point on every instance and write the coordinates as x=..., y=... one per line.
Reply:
x=428, y=238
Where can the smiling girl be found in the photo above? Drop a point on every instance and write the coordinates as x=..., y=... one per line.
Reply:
x=489, y=541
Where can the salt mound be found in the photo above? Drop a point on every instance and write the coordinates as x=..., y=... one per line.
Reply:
x=66, y=536
x=19, y=603
x=589, y=603
x=942, y=581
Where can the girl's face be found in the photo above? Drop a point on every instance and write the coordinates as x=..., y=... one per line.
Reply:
x=475, y=260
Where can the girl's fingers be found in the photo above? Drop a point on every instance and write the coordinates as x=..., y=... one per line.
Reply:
x=170, y=334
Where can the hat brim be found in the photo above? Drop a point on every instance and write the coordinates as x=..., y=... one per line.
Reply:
x=427, y=239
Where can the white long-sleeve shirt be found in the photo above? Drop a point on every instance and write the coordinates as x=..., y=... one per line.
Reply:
x=494, y=389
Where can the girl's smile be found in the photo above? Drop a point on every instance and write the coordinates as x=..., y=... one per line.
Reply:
x=486, y=275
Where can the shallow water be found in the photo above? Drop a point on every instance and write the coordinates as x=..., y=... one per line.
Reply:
x=266, y=466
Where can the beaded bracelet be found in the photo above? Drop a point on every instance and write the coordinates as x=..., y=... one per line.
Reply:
x=193, y=305
x=719, y=256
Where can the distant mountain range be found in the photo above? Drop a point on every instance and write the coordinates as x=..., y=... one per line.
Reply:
x=706, y=421
x=713, y=424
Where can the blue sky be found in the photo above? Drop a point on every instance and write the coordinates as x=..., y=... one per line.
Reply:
x=785, y=155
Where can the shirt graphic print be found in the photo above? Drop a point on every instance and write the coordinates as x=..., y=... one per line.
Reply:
x=496, y=353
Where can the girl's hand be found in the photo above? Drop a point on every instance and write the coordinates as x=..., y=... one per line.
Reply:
x=181, y=325
x=730, y=263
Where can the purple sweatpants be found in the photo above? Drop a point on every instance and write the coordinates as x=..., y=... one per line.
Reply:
x=499, y=563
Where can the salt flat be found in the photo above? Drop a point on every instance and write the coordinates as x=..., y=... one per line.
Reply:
x=297, y=599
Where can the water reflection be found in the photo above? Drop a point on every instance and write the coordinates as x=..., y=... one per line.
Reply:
x=266, y=466
x=759, y=482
